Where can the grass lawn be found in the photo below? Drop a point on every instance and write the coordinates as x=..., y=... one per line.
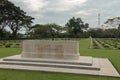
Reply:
x=113, y=55
x=9, y=51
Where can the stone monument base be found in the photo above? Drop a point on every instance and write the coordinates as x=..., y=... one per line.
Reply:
x=57, y=56
x=84, y=65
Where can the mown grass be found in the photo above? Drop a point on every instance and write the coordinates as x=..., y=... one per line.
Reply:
x=113, y=55
x=9, y=51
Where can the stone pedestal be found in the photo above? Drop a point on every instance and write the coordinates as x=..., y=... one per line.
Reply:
x=51, y=49
x=58, y=57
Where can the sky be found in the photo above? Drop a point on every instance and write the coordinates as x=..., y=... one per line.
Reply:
x=60, y=11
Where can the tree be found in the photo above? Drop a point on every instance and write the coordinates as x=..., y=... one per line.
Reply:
x=13, y=17
x=112, y=23
x=98, y=33
x=3, y=16
x=119, y=27
x=115, y=24
x=46, y=31
x=53, y=30
x=76, y=26
x=4, y=34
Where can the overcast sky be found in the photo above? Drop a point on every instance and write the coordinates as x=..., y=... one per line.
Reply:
x=60, y=11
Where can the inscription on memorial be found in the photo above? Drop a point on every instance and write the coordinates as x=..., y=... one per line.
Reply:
x=51, y=49
x=48, y=48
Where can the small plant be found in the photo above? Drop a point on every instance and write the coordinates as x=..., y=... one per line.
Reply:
x=17, y=45
x=1, y=45
x=8, y=45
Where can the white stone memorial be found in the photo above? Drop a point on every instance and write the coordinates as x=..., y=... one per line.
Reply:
x=57, y=56
x=51, y=49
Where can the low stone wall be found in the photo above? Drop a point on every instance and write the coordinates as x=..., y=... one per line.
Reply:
x=51, y=49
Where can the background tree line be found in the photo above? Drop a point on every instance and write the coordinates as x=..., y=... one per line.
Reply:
x=74, y=28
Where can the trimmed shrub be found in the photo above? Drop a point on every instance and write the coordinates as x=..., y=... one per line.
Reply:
x=8, y=45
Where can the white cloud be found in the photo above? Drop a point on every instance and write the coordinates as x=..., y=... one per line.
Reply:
x=35, y=5
x=38, y=15
x=64, y=5
x=31, y=5
x=86, y=12
x=82, y=13
x=36, y=8
x=49, y=5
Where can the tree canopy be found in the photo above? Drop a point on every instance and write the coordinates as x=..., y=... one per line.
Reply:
x=76, y=26
x=13, y=17
x=45, y=31
x=112, y=23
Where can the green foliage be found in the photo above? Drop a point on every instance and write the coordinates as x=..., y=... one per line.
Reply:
x=119, y=27
x=113, y=22
x=13, y=17
x=4, y=34
x=46, y=31
x=76, y=26
x=107, y=33
x=10, y=43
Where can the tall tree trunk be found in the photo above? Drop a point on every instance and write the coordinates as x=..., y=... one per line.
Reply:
x=14, y=34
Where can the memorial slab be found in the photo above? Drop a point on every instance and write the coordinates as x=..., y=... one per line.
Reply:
x=51, y=49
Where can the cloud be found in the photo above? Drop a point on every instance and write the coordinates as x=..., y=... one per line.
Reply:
x=49, y=5
x=82, y=13
x=31, y=5
x=33, y=8
x=64, y=5
x=39, y=8
x=34, y=5
x=86, y=12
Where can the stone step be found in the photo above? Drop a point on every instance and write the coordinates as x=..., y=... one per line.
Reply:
x=95, y=65
x=50, y=69
x=108, y=70
x=82, y=61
